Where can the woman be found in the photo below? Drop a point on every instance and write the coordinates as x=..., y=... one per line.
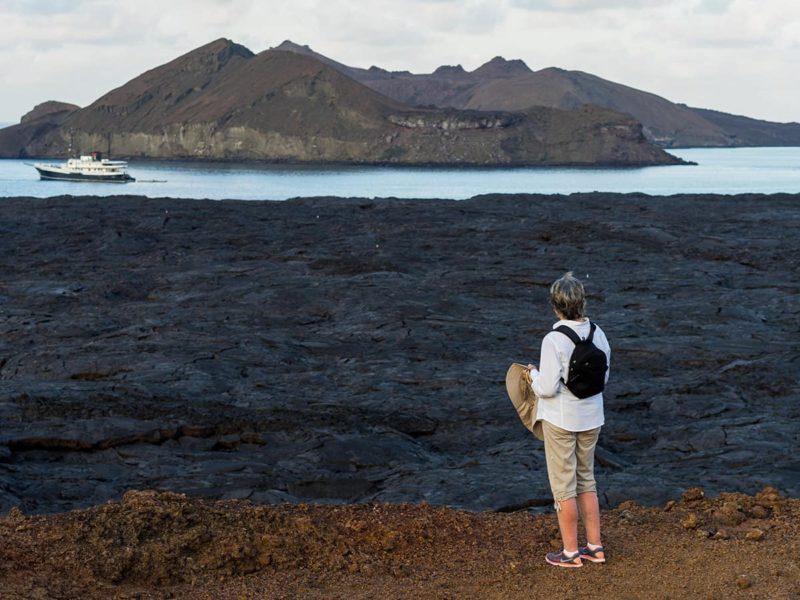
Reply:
x=571, y=424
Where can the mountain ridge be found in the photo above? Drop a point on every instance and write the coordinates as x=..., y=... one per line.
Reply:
x=222, y=101
x=501, y=84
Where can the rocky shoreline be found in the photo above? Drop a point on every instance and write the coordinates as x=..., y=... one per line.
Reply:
x=352, y=350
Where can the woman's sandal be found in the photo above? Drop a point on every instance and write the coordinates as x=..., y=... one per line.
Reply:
x=587, y=553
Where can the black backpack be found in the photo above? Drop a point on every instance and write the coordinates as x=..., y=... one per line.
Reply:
x=587, y=365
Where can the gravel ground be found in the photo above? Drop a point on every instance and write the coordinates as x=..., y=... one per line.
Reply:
x=165, y=545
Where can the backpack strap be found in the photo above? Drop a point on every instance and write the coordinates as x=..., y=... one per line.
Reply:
x=570, y=333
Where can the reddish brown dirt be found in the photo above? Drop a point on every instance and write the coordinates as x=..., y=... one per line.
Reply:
x=161, y=545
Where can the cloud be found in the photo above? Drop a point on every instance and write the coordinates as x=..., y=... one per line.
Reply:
x=35, y=7
x=415, y=35
x=474, y=16
x=716, y=7
x=737, y=55
x=586, y=5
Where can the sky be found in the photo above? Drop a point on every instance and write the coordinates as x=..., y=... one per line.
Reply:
x=737, y=56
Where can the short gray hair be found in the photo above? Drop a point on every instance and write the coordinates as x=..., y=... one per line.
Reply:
x=568, y=297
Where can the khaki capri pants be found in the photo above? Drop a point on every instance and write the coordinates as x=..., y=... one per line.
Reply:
x=570, y=461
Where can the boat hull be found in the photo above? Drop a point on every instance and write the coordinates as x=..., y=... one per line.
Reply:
x=102, y=178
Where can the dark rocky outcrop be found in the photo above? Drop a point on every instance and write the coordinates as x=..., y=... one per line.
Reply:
x=223, y=102
x=41, y=121
x=350, y=349
x=51, y=109
x=500, y=68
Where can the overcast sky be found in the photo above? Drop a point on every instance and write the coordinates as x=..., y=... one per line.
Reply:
x=738, y=56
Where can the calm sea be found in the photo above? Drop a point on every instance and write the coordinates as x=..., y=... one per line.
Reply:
x=721, y=171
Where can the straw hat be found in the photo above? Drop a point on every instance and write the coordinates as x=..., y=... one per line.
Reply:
x=518, y=386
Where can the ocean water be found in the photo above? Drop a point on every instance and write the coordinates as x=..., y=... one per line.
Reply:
x=718, y=170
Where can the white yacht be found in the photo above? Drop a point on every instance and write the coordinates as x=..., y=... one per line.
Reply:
x=86, y=168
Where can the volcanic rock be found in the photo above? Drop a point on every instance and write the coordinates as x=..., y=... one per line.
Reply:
x=343, y=350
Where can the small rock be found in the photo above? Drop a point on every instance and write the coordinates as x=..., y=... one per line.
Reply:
x=669, y=505
x=15, y=513
x=754, y=535
x=722, y=534
x=743, y=582
x=759, y=512
x=703, y=534
x=691, y=521
x=693, y=494
x=729, y=514
x=769, y=497
x=627, y=516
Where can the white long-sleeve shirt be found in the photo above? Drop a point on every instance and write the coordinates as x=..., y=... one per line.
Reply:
x=557, y=405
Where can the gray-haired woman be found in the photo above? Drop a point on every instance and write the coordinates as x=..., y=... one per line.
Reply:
x=571, y=423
